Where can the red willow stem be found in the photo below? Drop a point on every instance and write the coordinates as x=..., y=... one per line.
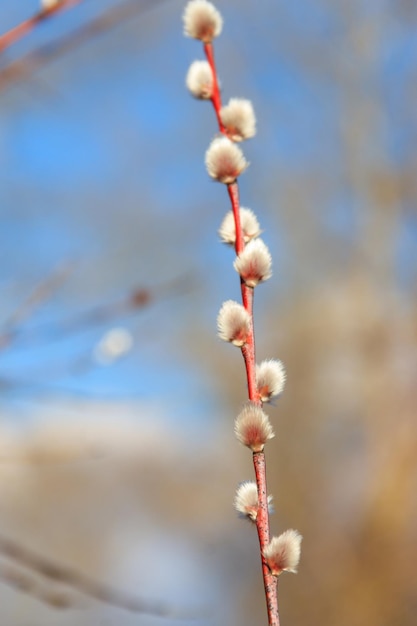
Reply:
x=233, y=191
x=216, y=97
x=262, y=526
x=249, y=357
x=24, y=28
x=19, y=31
x=248, y=350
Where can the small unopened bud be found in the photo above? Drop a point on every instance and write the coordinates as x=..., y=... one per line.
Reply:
x=233, y=323
x=246, y=501
x=270, y=379
x=253, y=428
x=254, y=263
x=248, y=223
x=202, y=20
x=199, y=80
x=239, y=119
x=224, y=160
x=282, y=554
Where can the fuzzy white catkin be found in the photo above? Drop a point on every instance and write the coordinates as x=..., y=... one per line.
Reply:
x=254, y=263
x=283, y=552
x=248, y=222
x=114, y=344
x=202, y=20
x=246, y=501
x=239, y=119
x=233, y=323
x=253, y=428
x=270, y=379
x=199, y=80
x=224, y=160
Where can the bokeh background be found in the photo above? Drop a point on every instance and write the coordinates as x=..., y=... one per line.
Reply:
x=117, y=456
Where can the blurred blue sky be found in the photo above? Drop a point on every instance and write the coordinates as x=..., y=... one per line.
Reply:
x=102, y=165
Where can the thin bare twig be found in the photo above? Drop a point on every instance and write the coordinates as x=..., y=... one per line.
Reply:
x=136, y=300
x=27, y=26
x=41, y=293
x=57, y=573
x=22, y=68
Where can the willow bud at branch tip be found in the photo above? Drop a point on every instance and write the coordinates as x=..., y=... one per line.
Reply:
x=282, y=554
x=49, y=4
x=246, y=501
x=202, y=20
x=239, y=119
x=248, y=222
x=233, y=323
x=254, y=263
x=224, y=160
x=199, y=80
x=253, y=428
x=270, y=379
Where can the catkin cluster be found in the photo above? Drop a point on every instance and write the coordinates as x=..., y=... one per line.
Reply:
x=225, y=162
